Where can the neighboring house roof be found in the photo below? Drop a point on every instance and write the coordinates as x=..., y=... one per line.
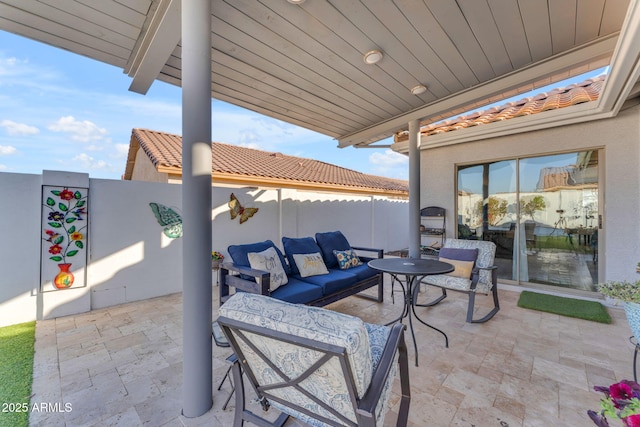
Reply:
x=233, y=164
x=586, y=91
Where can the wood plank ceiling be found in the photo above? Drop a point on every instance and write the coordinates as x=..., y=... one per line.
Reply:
x=304, y=63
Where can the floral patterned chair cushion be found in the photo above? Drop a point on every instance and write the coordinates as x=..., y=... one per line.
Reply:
x=484, y=277
x=363, y=343
x=485, y=258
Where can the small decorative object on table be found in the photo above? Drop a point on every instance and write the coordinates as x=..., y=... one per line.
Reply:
x=216, y=260
x=621, y=401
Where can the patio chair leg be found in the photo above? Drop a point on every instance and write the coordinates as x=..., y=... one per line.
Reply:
x=238, y=419
x=496, y=306
x=242, y=414
x=430, y=303
x=227, y=375
x=405, y=388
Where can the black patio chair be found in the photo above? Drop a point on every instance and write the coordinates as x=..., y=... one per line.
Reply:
x=316, y=365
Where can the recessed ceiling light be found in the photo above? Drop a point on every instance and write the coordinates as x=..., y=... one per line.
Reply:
x=419, y=90
x=296, y=1
x=372, y=57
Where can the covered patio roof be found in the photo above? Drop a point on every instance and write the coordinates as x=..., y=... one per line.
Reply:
x=303, y=63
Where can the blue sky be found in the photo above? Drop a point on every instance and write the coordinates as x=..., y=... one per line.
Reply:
x=62, y=111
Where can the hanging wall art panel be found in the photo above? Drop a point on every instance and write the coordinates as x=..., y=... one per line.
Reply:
x=65, y=229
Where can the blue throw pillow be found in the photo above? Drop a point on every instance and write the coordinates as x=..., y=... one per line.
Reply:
x=329, y=242
x=239, y=253
x=347, y=259
x=298, y=245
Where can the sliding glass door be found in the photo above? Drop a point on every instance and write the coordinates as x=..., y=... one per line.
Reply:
x=542, y=214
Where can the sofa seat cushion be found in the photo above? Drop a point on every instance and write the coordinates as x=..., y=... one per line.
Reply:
x=455, y=283
x=313, y=323
x=361, y=272
x=298, y=245
x=240, y=253
x=332, y=241
x=298, y=291
x=335, y=281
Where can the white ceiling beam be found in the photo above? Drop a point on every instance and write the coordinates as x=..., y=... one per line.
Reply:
x=625, y=63
x=591, y=52
x=160, y=40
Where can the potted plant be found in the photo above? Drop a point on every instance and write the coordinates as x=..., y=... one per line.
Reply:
x=216, y=259
x=629, y=293
x=621, y=401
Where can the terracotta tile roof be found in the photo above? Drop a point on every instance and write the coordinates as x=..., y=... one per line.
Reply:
x=586, y=91
x=232, y=163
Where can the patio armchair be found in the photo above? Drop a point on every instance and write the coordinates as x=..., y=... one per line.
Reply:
x=319, y=366
x=474, y=273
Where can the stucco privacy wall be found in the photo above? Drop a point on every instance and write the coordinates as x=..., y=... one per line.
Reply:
x=131, y=259
x=620, y=138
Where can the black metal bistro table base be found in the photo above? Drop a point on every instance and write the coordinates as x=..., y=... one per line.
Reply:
x=413, y=270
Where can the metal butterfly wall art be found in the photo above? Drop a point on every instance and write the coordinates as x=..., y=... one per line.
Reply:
x=236, y=209
x=169, y=219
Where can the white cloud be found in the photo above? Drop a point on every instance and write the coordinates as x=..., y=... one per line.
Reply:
x=389, y=163
x=122, y=150
x=5, y=150
x=8, y=66
x=13, y=128
x=89, y=162
x=389, y=159
x=3, y=167
x=83, y=131
x=233, y=125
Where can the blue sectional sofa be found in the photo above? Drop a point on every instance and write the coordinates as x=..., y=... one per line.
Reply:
x=318, y=271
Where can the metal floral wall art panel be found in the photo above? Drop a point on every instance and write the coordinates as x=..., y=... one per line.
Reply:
x=65, y=226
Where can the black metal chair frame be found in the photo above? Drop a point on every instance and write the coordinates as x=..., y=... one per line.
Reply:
x=475, y=276
x=364, y=408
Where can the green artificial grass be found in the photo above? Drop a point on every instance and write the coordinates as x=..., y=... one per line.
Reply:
x=16, y=373
x=581, y=309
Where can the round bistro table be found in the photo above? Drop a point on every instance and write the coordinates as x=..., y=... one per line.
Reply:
x=413, y=270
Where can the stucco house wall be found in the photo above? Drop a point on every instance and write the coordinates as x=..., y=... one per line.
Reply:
x=144, y=170
x=619, y=177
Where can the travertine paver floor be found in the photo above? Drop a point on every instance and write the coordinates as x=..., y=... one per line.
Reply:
x=123, y=366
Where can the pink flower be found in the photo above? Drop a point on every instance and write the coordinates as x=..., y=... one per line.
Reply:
x=632, y=421
x=620, y=391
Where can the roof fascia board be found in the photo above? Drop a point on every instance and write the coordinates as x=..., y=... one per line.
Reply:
x=547, y=119
x=251, y=181
x=596, y=50
x=158, y=44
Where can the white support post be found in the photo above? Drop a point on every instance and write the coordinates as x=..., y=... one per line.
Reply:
x=414, y=189
x=197, y=387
